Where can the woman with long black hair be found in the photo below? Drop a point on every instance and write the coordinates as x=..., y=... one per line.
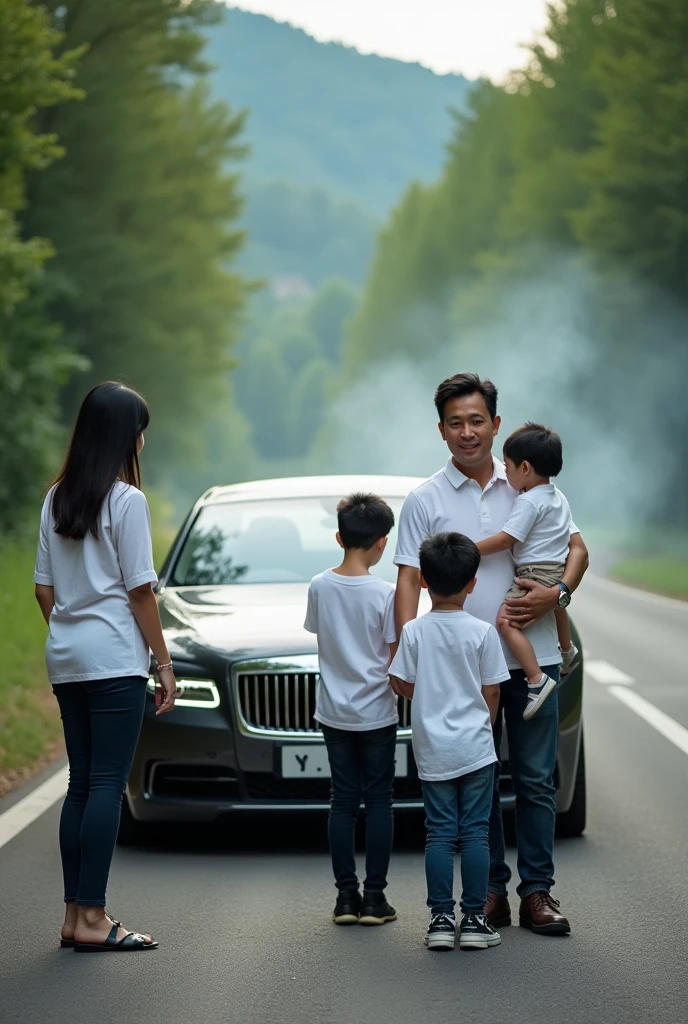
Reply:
x=94, y=576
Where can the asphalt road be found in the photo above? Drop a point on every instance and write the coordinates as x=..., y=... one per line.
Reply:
x=243, y=914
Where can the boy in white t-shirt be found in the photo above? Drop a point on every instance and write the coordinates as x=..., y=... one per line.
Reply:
x=352, y=613
x=538, y=530
x=451, y=665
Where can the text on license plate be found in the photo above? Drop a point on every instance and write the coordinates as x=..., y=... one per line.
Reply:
x=310, y=761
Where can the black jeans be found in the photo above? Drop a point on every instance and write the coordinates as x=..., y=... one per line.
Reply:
x=362, y=767
x=102, y=721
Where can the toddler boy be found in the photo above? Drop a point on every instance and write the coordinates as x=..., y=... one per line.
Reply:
x=352, y=613
x=451, y=663
x=538, y=530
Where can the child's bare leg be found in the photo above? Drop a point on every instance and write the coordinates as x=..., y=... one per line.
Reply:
x=563, y=628
x=521, y=647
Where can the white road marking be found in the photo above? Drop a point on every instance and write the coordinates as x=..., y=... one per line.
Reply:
x=663, y=723
x=22, y=814
x=607, y=674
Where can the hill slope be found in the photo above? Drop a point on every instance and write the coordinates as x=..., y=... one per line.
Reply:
x=323, y=114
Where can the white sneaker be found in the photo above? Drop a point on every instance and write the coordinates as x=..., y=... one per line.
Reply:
x=537, y=695
x=442, y=932
x=569, y=662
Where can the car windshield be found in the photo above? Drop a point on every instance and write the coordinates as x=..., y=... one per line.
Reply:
x=275, y=541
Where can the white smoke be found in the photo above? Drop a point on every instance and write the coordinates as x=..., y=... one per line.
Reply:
x=542, y=348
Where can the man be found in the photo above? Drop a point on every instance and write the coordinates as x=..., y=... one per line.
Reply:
x=471, y=495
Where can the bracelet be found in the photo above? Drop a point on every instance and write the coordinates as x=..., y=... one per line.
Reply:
x=161, y=668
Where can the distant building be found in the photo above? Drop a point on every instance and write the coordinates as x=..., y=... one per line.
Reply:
x=291, y=286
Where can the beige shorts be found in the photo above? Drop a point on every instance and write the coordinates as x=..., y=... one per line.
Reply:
x=547, y=573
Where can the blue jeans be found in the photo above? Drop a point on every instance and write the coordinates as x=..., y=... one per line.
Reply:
x=532, y=757
x=458, y=810
x=362, y=767
x=102, y=721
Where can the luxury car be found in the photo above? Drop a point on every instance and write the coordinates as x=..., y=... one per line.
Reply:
x=232, y=598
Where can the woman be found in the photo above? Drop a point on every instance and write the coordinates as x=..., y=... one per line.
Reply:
x=94, y=576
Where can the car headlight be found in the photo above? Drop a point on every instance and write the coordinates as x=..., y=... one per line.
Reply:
x=193, y=693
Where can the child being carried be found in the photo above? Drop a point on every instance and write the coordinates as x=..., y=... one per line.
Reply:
x=537, y=530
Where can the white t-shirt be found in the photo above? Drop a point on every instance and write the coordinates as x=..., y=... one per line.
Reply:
x=93, y=633
x=451, y=501
x=353, y=617
x=541, y=523
x=450, y=656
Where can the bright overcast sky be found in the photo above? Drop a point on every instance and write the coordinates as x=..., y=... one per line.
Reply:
x=474, y=37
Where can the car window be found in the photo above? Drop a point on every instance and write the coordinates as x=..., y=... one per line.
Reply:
x=286, y=540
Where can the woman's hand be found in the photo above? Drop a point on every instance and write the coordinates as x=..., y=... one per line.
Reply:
x=165, y=691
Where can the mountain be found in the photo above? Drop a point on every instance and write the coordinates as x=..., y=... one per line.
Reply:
x=322, y=114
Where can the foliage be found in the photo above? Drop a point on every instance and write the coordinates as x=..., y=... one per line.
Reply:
x=143, y=213
x=32, y=366
x=288, y=369
x=637, y=173
x=306, y=232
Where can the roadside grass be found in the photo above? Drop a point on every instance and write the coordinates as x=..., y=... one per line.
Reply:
x=650, y=557
x=29, y=722
x=30, y=728
x=663, y=575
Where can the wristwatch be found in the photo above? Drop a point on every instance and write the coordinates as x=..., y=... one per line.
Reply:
x=565, y=596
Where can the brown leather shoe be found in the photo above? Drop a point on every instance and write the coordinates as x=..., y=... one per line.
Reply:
x=540, y=913
x=497, y=910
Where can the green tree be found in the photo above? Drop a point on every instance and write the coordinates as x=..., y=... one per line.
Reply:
x=328, y=314
x=32, y=365
x=637, y=173
x=142, y=211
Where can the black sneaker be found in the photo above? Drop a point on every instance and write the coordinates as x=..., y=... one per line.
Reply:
x=441, y=933
x=347, y=907
x=477, y=933
x=375, y=909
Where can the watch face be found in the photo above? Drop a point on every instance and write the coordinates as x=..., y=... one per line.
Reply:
x=564, y=599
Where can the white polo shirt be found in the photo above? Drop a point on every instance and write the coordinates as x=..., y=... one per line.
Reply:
x=451, y=501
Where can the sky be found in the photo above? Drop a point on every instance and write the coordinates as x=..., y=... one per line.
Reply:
x=473, y=37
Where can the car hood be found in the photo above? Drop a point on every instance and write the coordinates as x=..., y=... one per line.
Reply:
x=241, y=621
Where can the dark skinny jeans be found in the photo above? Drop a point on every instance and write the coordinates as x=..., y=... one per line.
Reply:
x=102, y=721
x=362, y=767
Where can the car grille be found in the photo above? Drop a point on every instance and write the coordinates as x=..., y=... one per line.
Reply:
x=284, y=702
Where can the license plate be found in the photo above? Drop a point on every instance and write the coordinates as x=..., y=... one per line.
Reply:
x=310, y=761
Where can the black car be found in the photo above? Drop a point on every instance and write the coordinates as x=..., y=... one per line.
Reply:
x=232, y=598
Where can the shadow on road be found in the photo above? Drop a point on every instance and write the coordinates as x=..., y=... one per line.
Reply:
x=275, y=833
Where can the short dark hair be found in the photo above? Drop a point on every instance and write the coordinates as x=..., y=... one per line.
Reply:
x=466, y=384
x=538, y=445
x=448, y=562
x=362, y=519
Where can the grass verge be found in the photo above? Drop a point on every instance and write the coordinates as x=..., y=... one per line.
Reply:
x=30, y=732
x=662, y=575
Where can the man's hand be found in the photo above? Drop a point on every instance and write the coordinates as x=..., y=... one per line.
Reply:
x=524, y=611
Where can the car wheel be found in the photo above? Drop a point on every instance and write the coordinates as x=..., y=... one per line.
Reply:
x=572, y=822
